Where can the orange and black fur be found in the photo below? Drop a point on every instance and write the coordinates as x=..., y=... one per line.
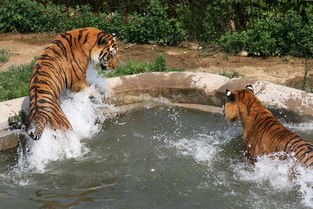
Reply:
x=63, y=65
x=262, y=132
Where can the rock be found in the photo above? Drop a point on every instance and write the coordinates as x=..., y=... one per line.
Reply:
x=243, y=54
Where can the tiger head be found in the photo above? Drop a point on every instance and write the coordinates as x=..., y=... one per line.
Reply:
x=104, y=52
x=238, y=102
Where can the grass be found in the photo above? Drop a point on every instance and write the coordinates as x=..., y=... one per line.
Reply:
x=14, y=82
x=135, y=67
x=4, y=55
x=232, y=74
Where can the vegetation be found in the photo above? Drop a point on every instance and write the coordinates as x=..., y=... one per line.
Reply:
x=18, y=121
x=260, y=27
x=14, y=82
x=135, y=67
x=4, y=55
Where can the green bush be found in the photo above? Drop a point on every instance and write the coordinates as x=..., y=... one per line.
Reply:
x=234, y=42
x=261, y=27
x=22, y=16
x=154, y=27
x=288, y=35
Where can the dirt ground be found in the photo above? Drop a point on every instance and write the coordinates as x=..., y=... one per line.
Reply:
x=286, y=71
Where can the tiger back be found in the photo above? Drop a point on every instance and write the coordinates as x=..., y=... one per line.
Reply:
x=63, y=65
x=262, y=132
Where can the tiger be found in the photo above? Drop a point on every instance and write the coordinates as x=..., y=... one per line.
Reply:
x=63, y=65
x=264, y=134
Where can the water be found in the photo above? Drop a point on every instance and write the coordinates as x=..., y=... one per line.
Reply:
x=161, y=157
x=153, y=158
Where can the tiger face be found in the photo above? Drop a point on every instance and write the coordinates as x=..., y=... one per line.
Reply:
x=235, y=104
x=104, y=52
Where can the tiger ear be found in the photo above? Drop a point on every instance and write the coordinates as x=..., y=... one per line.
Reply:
x=103, y=41
x=230, y=96
x=249, y=87
x=114, y=36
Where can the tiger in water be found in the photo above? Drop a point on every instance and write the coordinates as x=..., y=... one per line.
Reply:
x=262, y=132
x=63, y=65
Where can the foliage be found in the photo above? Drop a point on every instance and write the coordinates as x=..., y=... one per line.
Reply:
x=136, y=67
x=260, y=27
x=15, y=81
x=22, y=16
x=4, y=55
x=287, y=35
x=18, y=121
x=154, y=27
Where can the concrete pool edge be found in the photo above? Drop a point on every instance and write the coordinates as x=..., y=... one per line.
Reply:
x=201, y=91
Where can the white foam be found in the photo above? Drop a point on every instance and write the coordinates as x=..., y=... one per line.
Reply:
x=85, y=117
x=304, y=182
x=200, y=150
x=307, y=126
x=266, y=170
x=202, y=147
x=281, y=175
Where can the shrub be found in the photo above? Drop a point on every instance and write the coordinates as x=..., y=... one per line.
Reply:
x=288, y=35
x=22, y=16
x=284, y=29
x=234, y=42
x=154, y=27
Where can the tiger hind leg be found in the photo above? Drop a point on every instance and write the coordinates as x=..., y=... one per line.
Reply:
x=36, y=128
x=80, y=85
x=41, y=120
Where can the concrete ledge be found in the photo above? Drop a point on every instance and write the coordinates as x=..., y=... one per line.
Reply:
x=178, y=87
x=11, y=108
x=8, y=140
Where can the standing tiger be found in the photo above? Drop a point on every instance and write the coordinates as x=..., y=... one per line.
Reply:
x=63, y=64
x=262, y=132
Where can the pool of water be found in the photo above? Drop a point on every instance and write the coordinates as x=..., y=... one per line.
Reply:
x=161, y=157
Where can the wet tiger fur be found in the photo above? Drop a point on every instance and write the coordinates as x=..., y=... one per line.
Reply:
x=262, y=132
x=63, y=65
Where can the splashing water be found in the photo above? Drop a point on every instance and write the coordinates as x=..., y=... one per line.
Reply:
x=85, y=117
x=202, y=147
